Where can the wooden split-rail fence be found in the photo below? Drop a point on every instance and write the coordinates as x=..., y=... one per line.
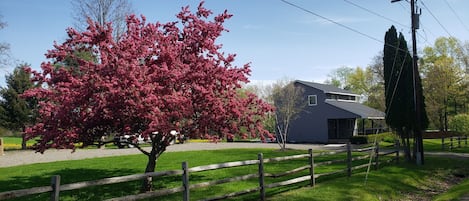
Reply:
x=453, y=142
x=56, y=187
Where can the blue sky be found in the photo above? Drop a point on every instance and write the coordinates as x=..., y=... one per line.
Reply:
x=279, y=40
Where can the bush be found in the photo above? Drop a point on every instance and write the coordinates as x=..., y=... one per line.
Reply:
x=386, y=137
x=359, y=140
x=389, y=139
x=460, y=123
x=5, y=132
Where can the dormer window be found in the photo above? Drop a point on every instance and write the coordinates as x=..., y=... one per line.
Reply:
x=312, y=100
x=341, y=97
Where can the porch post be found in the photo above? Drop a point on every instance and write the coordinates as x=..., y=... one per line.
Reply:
x=363, y=126
x=337, y=128
x=355, y=128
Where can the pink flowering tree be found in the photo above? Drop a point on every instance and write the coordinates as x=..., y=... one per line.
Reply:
x=155, y=79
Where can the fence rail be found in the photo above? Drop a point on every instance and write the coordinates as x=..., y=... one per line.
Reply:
x=452, y=142
x=55, y=188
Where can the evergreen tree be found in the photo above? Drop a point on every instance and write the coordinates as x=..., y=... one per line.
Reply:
x=399, y=88
x=17, y=112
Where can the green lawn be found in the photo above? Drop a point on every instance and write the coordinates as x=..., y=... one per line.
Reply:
x=455, y=192
x=14, y=143
x=435, y=145
x=401, y=182
x=91, y=169
x=389, y=183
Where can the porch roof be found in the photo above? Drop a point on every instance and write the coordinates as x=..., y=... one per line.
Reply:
x=360, y=110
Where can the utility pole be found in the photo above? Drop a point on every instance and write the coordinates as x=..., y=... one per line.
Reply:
x=419, y=155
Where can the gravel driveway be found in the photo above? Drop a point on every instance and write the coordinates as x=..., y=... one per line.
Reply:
x=14, y=158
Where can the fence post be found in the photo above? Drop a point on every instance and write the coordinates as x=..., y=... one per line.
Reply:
x=185, y=181
x=55, y=184
x=349, y=159
x=261, y=176
x=377, y=155
x=459, y=141
x=311, y=169
x=465, y=140
x=443, y=143
x=1, y=147
x=398, y=149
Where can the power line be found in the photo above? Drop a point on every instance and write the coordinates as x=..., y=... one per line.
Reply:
x=339, y=24
x=421, y=25
x=332, y=21
x=386, y=18
x=457, y=16
x=444, y=28
x=436, y=19
x=377, y=14
x=361, y=33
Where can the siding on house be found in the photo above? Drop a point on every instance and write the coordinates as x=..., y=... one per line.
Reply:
x=311, y=125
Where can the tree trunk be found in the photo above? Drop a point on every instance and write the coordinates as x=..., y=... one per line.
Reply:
x=158, y=147
x=147, y=184
x=284, y=145
x=23, y=139
x=281, y=141
x=421, y=157
x=405, y=143
x=414, y=150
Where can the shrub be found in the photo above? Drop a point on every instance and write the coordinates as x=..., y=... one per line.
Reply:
x=460, y=123
x=386, y=137
x=359, y=140
x=5, y=132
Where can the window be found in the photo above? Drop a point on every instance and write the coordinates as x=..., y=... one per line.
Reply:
x=341, y=97
x=312, y=100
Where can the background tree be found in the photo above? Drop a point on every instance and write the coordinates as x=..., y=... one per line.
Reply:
x=264, y=92
x=399, y=89
x=443, y=79
x=157, y=78
x=17, y=112
x=339, y=77
x=4, y=47
x=363, y=81
x=376, y=97
x=359, y=81
x=103, y=12
x=289, y=101
x=460, y=123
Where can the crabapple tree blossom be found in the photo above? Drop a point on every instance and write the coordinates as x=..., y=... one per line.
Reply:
x=156, y=78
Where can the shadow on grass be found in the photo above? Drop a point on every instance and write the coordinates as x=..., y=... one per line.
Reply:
x=344, y=188
x=392, y=182
x=73, y=175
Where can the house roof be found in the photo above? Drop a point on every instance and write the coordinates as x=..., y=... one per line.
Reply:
x=363, y=111
x=326, y=88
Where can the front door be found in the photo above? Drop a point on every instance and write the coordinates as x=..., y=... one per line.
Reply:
x=332, y=128
x=340, y=128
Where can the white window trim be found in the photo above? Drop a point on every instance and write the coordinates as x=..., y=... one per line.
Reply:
x=315, y=97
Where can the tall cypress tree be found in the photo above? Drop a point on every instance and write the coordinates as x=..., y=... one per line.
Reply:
x=399, y=88
x=16, y=112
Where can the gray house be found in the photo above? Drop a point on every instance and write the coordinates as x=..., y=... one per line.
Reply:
x=331, y=114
